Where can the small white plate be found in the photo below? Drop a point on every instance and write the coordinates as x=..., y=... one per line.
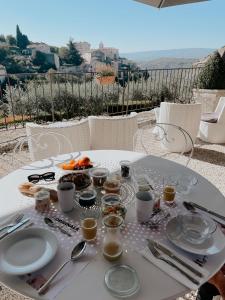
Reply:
x=94, y=164
x=213, y=245
x=27, y=251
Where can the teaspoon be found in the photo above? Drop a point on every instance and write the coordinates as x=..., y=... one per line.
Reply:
x=75, y=254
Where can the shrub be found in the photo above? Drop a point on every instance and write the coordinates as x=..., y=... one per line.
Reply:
x=212, y=76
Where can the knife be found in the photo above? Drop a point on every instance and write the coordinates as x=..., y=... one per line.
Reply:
x=12, y=229
x=208, y=211
x=171, y=255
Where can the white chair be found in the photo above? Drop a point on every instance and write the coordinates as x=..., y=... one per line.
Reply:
x=185, y=116
x=57, y=138
x=214, y=132
x=112, y=132
x=148, y=141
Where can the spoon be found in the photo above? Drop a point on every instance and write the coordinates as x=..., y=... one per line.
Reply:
x=52, y=224
x=75, y=254
x=192, y=209
x=16, y=219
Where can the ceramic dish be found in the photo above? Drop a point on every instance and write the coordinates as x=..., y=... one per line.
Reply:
x=81, y=180
x=27, y=250
x=210, y=246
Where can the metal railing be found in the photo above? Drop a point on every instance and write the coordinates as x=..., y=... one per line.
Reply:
x=58, y=96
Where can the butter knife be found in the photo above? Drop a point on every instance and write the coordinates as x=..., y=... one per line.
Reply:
x=179, y=260
x=208, y=211
x=12, y=229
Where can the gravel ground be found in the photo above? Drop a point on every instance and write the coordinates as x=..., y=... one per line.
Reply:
x=208, y=160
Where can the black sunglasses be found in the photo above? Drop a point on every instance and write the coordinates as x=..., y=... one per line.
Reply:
x=49, y=176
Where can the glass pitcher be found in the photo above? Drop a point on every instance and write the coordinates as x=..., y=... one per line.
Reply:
x=112, y=242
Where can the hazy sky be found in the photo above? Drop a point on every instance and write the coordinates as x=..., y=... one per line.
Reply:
x=125, y=24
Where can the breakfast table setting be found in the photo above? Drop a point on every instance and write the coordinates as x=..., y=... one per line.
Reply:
x=109, y=224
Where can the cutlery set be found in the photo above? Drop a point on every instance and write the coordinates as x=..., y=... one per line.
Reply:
x=14, y=228
x=191, y=206
x=162, y=253
x=18, y=221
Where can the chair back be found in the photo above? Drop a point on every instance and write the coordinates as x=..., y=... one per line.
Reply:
x=185, y=116
x=220, y=111
x=112, y=133
x=57, y=138
x=220, y=106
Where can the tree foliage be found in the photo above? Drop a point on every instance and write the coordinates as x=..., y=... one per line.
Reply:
x=21, y=39
x=2, y=38
x=39, y=58
x=11, y=40
x=3, y=55
x=73, y=57
x=212, y=76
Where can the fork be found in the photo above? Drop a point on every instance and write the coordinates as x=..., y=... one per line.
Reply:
x=17, y=219
x=157, y=255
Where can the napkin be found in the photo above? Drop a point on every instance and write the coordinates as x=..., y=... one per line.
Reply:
x=172, y=272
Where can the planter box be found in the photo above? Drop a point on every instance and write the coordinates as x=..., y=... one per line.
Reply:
x=105, y=80
x=208, y=98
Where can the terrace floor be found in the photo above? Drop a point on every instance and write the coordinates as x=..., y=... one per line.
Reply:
x=208, y=160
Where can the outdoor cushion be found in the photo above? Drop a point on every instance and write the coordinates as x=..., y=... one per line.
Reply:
x=210, y=117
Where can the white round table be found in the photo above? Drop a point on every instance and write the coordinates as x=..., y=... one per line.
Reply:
x=89, y=284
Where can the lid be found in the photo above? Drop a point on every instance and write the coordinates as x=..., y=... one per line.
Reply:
x=99, y=172
x=125, y=163
x=122, y=281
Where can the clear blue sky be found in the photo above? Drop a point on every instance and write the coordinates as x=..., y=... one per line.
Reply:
x=125, y=24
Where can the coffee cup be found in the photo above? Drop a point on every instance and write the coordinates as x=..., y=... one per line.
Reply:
x=65, y=191
x=144, y=205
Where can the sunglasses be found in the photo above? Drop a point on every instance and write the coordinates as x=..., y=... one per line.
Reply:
x=35, y=178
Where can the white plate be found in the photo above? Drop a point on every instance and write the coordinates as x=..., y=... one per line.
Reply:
x=213, y=245
x=95, y=165
x=27, y=250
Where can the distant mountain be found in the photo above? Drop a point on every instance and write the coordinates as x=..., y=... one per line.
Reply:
x=194, y=53
x=166, y=63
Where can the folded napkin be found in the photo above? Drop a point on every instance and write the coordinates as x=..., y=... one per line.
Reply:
x=172, y=272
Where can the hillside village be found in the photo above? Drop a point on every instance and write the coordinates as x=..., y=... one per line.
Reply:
x=19, y=55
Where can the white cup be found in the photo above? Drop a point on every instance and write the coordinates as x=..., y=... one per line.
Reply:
x=144, y=205
x=65, y=191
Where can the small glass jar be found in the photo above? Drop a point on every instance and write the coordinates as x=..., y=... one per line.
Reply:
x=99, y=176
x=125, y=168
x=42, y=201
x=111, y=204
x=112, y=242
x=112, y=186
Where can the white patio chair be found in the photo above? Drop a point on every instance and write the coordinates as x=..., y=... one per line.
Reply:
x=69, y=137
x=112, y=132
x=145, y=140
x=44, y=147
x=184, y=116
x=214, y=131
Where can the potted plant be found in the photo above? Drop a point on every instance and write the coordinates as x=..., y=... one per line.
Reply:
x=105, y=75
x=210, y=84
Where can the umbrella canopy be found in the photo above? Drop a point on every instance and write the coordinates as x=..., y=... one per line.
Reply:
x=166, y=3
